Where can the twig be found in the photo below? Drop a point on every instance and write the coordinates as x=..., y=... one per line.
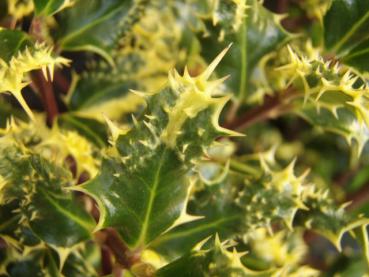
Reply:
x=126, y=258
x=46, y=90
x=272, y=107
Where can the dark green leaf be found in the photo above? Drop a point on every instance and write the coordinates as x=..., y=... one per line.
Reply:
x=131, y=202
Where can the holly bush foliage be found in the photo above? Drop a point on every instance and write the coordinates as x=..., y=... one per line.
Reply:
x=184, y=138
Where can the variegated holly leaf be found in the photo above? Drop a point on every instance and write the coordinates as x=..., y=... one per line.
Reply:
x=50, y=7
x=333, y=98
x=328, y=219
x=143, y=185
x=342, y=122
x=34, y=190
x=349, y=37
x=97, y=25
x=254, y=31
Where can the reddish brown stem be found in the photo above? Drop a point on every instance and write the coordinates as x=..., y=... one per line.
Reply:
x=46, y=91
x=122, y=254
x=106, y=261
x=272, y=107
x=61, y=81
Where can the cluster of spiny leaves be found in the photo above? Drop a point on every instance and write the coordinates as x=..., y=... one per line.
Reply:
x=113, y=156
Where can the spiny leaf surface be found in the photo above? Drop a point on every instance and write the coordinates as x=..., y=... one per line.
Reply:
x=142, y=190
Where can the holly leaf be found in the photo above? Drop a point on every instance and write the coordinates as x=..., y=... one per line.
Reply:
x=84, y=27
x=50, y=203
x=326, y=218
x=38, y=189
x=142, y=190
x=342, y=122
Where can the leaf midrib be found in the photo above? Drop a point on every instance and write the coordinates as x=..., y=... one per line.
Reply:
x=142, y=236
